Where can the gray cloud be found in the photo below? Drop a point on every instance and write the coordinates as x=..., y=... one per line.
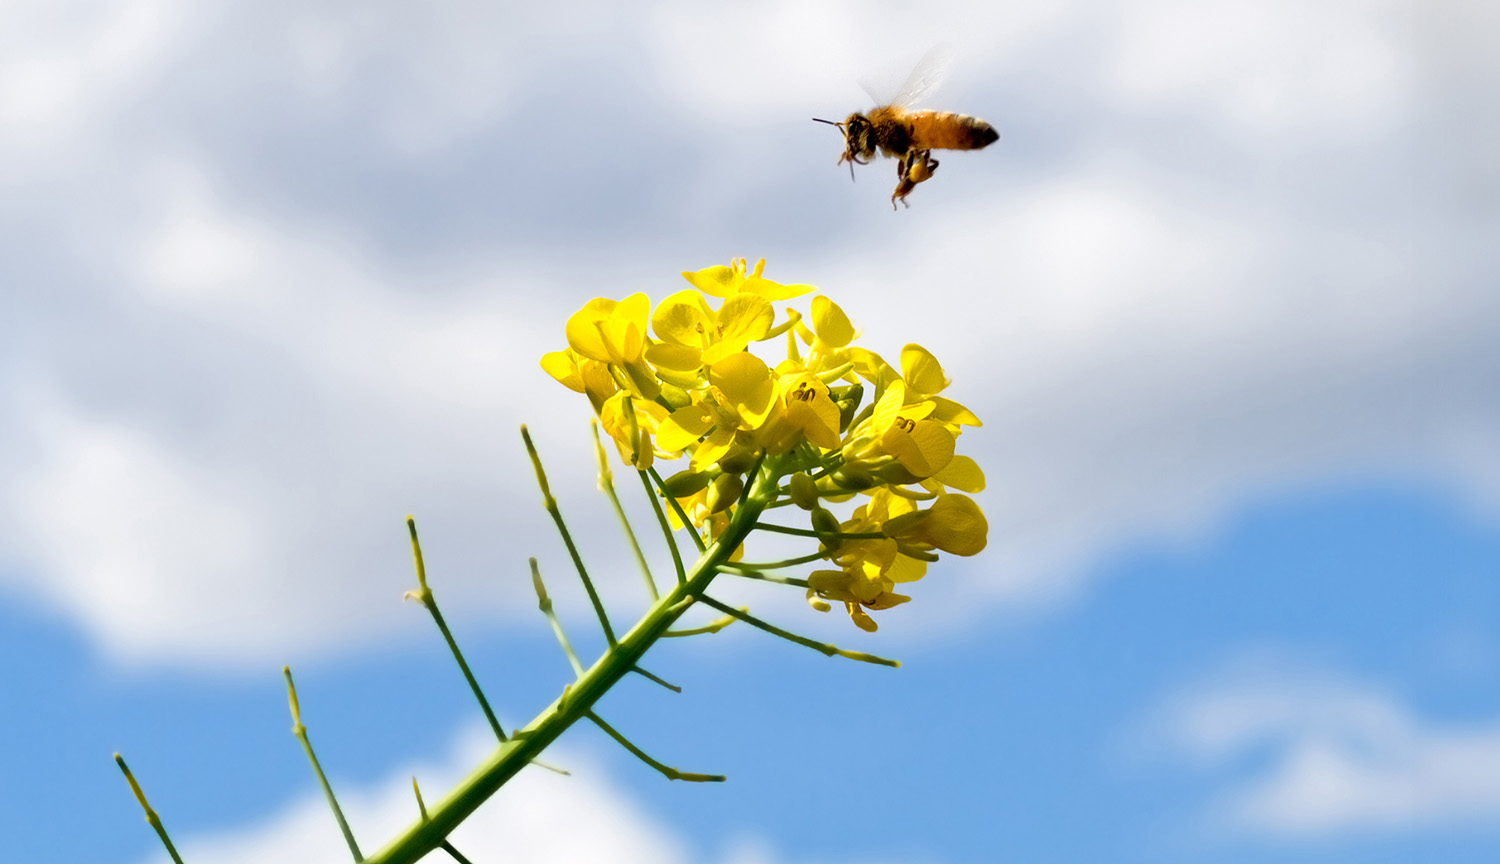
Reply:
x=276, y=276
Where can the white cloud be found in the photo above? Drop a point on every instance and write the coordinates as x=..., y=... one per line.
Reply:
x=536, y=817
x=1268, y=67
x=225, y=388
x=1335, y=758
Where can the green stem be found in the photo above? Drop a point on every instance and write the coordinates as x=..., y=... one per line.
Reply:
x=607, y=483
x=424, y=595
x=677, y=508
x=747, y=573
x=457, y=856
x=776, y=565
x=826, y=648
x=551, y=504
x=667, y=771
x=713, y=626
x=808, y=532
x=301, y=732
x=666, y=527
x=545, y=604
x=579, y=697
x=151, y=818
x=642, y=672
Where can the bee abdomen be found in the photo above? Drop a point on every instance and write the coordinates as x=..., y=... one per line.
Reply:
x=945, y=130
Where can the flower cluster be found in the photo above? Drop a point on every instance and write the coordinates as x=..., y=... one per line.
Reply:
x=681, y=380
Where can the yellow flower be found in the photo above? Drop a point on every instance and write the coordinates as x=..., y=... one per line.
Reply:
x=953, y=524
x=631, y=423
x=614, y=332
x=581, y=374
x=728, y=281
x=856, y=591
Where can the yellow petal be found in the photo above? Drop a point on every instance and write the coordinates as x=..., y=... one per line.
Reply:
x=564, y=367
x=923, y=449
x=952, y=413
x=678, y=358
x=905, y=569
x=962, y=474
x=744, y=318
x=769, y=290
x=583, y=334
x=861, y=619
x=956, y=525
x=684, y=319
x=830, y=323
x=746, y=384
x=717, y=281
x=810, y=409
x=921, y=370
x=683, y=428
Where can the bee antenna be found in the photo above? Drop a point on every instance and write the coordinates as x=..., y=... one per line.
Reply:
x=829, y=122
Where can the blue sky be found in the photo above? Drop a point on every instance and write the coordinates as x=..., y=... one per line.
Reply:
x=1224, y=293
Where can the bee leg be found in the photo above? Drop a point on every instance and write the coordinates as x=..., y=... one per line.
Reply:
x=903, y=189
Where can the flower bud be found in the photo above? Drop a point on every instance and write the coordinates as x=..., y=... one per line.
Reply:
x=804, y=491
x=724, y=492
x=738, y=461
x=848, y=399
x=685, y=483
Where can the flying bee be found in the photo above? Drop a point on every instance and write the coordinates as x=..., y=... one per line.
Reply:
x=907, y=135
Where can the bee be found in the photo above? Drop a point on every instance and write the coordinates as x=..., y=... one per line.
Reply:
x=907, y=135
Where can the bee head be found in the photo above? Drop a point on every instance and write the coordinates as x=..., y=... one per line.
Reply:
x=859, y=140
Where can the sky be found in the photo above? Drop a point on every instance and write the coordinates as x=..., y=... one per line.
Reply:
x=1226, y=295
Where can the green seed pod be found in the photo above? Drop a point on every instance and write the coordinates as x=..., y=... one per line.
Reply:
x=675, y=396
x=848, y=399
x=738, y=462
x=825, y=522
x=804, y=491
x=685, y=483
x=853, y=478
x=724, y=492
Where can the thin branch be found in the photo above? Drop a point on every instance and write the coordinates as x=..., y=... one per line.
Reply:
x=300, y=731
x=713, y=626
x=151, y=818
x=673, y=687
x=607, y=484
x=545, y=604
x=777, y=565
x=666, y=527
x=551, y=504
x=677, y=508
x=826, y=648
x=423, y=594
x=748, y=573
x=669, y=772
x=808, y=532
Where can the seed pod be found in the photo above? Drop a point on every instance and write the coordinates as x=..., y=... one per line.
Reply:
x=848, y=399
x=738, y=462
x=724, y=492
x=804, y=491
x=685, y=483
x=853, y=478
x=824, y=522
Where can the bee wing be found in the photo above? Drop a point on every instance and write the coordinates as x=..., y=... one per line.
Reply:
x=924, y=80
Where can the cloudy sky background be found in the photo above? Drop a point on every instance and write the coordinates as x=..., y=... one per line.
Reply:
x=1224, y=293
